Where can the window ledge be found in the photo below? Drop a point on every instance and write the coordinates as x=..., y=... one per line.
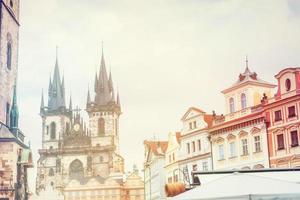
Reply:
x=280, y=149
x=295, y=145
x=232, y=157
x=256, y=152
x=221, y=159
x=292, y=118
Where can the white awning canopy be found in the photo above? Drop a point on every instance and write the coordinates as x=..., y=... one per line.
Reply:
x=241, y=186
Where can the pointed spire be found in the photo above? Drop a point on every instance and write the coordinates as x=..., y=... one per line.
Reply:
x=56, y=89
x=88, y=96
x=103, y=95
x=96, y=83
x=50, y=87
x=42, y=103
x=111, y=87
x=110, y=82
x=63, y=88
x=14, y=113
x=247, y=70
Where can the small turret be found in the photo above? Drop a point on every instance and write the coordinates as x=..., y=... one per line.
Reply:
x=88, y=97
x=56, y=93
x=14, y=113
x=42, y=107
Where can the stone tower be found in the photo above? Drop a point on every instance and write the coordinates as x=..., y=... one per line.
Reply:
x=105, y=110
x=9, y=42
x=56, y=121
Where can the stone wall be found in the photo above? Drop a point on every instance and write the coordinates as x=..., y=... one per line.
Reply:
x=9, y=32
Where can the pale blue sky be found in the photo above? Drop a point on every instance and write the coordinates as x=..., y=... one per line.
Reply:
x=165, y=56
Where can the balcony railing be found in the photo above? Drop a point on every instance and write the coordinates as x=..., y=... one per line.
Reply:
x=238, y=114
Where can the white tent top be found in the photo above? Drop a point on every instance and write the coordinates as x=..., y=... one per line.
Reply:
x=240, y=186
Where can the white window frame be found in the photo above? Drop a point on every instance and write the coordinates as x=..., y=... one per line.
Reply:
x=232, y=149
x=257, y=143
x=245, y=148
x=221, y=152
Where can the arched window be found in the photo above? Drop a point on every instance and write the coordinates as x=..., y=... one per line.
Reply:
x=243, y=101
x=231, y=105
x=288, y=85
x=76, y=169
x=8, y=55
x=53, y=131
x=101, y=127
x=51, y=172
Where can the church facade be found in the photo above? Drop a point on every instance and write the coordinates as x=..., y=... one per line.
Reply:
x=80, y=161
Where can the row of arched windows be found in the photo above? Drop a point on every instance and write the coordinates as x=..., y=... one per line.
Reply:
x=243, y=101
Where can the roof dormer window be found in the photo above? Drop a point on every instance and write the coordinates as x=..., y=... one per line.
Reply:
x=11, y=3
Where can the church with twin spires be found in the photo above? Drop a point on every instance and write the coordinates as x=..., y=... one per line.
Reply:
x=80, y=161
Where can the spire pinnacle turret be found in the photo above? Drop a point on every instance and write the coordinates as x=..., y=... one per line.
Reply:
x=42, y=103
x=102, y=87
x=247, y=70
x=56, y=92
x=96, y=83
x=88, y=96
x=14, y=113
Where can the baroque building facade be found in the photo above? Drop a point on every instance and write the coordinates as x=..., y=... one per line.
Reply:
x=239, y=138
x=80, y=161
x=15, y=154
x=195, y=149
x=172, y=171
x=283, y=120
x=154, y=175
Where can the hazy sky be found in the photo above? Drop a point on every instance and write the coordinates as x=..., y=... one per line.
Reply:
x=165, y=56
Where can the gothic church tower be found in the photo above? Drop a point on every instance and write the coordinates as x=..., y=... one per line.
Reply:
x=56, y=116
x=105, y=110
x=56, y=121
x=9, y=43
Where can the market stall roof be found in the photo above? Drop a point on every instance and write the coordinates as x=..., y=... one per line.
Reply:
x=240, y=186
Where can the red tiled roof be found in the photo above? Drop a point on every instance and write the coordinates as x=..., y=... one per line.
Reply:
x=154, y=145
x=178, y=137
x=209, y=120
